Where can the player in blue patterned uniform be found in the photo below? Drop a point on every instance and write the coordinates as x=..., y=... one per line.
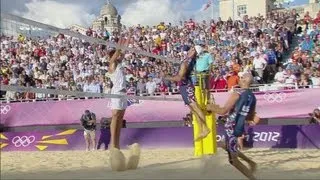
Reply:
x=240, y=108
x=187, y=91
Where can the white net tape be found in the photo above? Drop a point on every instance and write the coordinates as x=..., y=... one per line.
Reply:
x=84, y=94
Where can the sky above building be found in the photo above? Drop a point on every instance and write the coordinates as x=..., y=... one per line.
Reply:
x=63, y=13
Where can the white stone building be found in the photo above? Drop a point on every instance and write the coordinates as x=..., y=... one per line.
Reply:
x=236, y=9
x=109, y=19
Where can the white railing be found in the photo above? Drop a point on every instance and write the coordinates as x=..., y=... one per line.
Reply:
x=255, y=88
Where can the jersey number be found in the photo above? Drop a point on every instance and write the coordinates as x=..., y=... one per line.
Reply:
x=245, y=110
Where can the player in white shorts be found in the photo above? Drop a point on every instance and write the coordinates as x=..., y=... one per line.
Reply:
x=118, y=105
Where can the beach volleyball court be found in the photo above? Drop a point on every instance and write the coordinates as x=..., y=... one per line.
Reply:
x=177, y=163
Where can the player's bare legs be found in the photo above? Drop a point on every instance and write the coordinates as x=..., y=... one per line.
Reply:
x=240, y=142
x=252, y=164
x=204, y=130
x=240, y=166
x=115, y=128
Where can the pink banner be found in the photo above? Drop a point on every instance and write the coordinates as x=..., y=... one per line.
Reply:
x=291, y=103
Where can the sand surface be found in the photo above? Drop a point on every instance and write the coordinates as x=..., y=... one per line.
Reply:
x=158, y=164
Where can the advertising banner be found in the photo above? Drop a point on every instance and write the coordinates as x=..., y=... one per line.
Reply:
x=257, y=137
x=276, y=104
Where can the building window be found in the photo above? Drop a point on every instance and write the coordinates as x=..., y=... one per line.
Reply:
x=242, y=10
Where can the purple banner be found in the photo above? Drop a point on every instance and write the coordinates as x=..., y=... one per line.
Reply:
x=291, y=103
x=258, y=137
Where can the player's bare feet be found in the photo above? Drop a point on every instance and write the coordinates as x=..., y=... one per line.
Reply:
x=203, y=134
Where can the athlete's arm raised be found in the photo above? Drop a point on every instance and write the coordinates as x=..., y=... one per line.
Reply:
x=114, y=59
x=183, y=68
x=180, y=75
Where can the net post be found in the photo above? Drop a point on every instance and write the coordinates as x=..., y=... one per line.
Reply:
x=198, y=145
x=208, y=145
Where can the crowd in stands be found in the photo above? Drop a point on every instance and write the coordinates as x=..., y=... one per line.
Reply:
x=255, y=44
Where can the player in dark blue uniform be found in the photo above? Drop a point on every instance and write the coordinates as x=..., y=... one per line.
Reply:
x=187, y=91
x=240, y=108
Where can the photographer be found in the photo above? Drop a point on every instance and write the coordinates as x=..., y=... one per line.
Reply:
x=105, y=132
x=88, y=122
x=315, y=116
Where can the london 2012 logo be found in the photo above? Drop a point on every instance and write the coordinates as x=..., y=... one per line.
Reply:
x=23, y=141
x=5, y=109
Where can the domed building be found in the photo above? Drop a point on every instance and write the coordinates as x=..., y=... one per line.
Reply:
x=109, y=19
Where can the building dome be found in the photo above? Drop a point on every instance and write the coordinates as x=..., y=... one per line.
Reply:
x=108, y=9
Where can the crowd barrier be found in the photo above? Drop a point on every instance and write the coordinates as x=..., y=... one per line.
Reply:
x=271, y=104
x=292, y=136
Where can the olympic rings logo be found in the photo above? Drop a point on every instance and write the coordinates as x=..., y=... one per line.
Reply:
x=23, y=141
x=4, y=109
x=274, y=97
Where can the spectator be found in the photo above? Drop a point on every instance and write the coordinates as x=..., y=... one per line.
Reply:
x=259, y=64
x=295, y=67
x=151, y=87
x=218, y=82
x=317, y=19
x=316, y=79
x=104, y=133
x=271, y=68
x=304, y=81
x=163, y=89
x=232, y=80
x=188, y=120
x=91, y=86
x=307, y=44
x=291, y=79
x=307, y=19
x=141, y=86
x=64, y=62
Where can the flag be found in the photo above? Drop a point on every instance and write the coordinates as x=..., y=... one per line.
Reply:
x=206, y=6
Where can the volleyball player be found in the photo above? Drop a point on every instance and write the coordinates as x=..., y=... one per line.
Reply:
x=118, y=105
x=240, y=108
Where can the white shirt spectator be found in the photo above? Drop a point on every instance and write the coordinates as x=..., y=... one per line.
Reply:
x=292, y=79
x=157, y=80
x=280, y=77
x=163, y=35
x=259, y=63
x=315, y=82
x=64, y=58
x=44, y=76
x=92, y=87
x=151, y=87
x=128, y=76
x=13, y=81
